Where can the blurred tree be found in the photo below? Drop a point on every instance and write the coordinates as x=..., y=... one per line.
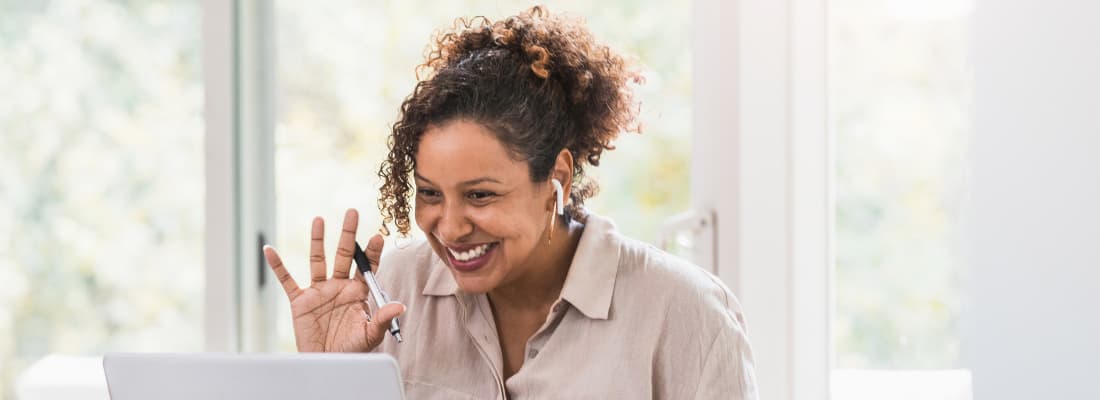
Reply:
x=101, y=179
x=899, y=93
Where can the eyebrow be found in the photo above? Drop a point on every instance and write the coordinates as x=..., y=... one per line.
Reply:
x=466, y=183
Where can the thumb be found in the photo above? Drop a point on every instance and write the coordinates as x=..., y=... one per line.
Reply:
x=380, y=322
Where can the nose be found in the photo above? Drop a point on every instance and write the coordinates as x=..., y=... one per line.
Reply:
x=454, y=226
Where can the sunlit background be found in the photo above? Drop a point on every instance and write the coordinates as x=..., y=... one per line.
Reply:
x=101, y=180
x=899, y=107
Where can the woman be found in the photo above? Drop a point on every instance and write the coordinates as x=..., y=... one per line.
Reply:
x=517, y=291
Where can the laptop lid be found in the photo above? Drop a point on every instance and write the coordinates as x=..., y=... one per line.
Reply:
x=333, y=376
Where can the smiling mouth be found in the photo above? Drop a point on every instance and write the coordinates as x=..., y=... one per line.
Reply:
x=471, y=253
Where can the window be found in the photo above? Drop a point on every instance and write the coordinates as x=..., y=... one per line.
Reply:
x=101, y=181
x=899, y=90
x=345, y=66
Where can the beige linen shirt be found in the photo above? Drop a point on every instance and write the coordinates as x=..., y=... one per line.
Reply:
x=632, y=322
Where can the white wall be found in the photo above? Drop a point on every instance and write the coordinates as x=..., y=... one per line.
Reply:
x=1033, y=328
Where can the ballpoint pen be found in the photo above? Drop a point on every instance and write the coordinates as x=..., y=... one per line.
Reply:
x=376, y=291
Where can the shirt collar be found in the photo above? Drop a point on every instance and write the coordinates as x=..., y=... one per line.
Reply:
x=591, y=279
x=440, y=281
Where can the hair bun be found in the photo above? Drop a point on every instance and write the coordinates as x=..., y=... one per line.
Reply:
x=555, y=46
x=541, y=65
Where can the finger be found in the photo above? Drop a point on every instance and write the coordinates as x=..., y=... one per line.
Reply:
x=317, y=265
x=358, y=276
x=379, y=323
x=289, y=286
x=374, y=252
x=346, y=248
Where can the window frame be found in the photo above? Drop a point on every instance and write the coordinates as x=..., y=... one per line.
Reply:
x=759, y=88
x=220, y=322
x=241, y=292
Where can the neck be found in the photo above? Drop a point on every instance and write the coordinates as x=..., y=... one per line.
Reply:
x=544, y=274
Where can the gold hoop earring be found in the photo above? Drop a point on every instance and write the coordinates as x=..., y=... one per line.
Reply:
x=550, y=237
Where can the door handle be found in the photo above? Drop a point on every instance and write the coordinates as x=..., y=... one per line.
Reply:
x=691, y=235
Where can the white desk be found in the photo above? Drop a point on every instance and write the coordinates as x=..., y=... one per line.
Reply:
x=57, y=377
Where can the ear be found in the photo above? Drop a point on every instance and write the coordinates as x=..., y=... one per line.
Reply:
x=563, y=172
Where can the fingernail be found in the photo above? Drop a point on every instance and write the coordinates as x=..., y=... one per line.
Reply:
x=403, y=308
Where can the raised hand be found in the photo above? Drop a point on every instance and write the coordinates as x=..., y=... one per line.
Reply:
x=332, y=314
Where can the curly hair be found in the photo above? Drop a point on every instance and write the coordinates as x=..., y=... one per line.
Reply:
x=539, y=82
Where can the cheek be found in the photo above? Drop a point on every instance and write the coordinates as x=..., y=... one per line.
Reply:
x=511, y=220
x=426, y=216
x=523, y=238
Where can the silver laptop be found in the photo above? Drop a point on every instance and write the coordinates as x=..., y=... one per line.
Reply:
x=262, y=377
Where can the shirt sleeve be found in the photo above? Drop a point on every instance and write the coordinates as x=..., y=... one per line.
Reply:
x=728, y=371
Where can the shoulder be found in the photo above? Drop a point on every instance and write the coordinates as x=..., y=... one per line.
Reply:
x=406, y=251
x=405, y=267
x=702, y=329
x=686, y=292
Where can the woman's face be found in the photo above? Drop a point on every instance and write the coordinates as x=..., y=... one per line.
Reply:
x=478, y=206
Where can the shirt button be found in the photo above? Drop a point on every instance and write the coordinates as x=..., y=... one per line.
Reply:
x=533, y=353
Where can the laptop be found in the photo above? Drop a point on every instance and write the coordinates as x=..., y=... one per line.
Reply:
x=333, y=376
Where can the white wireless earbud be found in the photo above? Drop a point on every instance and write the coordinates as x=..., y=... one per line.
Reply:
x=560, y=193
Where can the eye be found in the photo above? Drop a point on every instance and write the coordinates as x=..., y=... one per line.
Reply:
x=480, y=195
x=429, y=194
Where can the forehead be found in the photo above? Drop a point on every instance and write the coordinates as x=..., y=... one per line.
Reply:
x=464, y=150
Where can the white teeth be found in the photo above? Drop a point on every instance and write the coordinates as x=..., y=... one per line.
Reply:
x=470, y=254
